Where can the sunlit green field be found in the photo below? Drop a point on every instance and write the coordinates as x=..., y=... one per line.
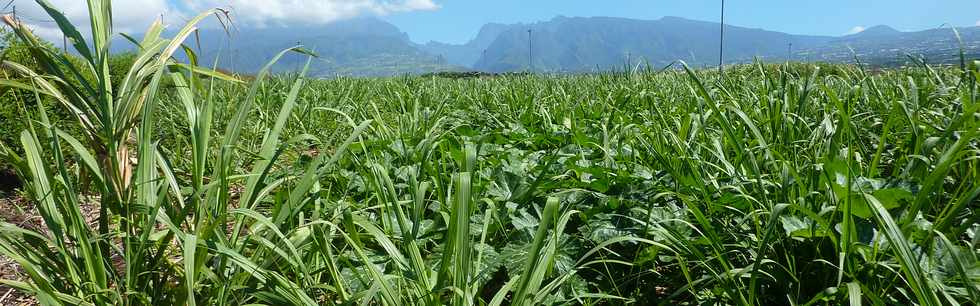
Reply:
x=793, y=184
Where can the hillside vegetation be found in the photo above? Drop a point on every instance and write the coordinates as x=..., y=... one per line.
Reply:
x=371, y=47
x=790, y=184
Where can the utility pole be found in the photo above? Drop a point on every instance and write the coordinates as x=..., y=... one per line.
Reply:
x=530, y=53
x=64, y=40
x=721, y=45
x=789, y=55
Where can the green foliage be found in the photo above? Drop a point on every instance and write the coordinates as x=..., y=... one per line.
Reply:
x=119, y=65
x=777, y=184
x=11, y=111
x=19, y=101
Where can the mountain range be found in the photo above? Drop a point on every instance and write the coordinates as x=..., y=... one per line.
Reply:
x=353, y=47
x=372, y=47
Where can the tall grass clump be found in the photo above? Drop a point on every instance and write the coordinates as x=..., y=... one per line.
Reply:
x=790, y=184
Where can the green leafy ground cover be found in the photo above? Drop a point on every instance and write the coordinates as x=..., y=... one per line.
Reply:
x=776, y=185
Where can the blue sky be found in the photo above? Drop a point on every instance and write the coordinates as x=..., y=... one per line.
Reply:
x=459, y=20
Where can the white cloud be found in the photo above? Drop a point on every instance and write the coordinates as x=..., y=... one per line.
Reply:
x=978, y=23
x=855, y=30
x=283, y=12
x=129, y=16
x=133, y=16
